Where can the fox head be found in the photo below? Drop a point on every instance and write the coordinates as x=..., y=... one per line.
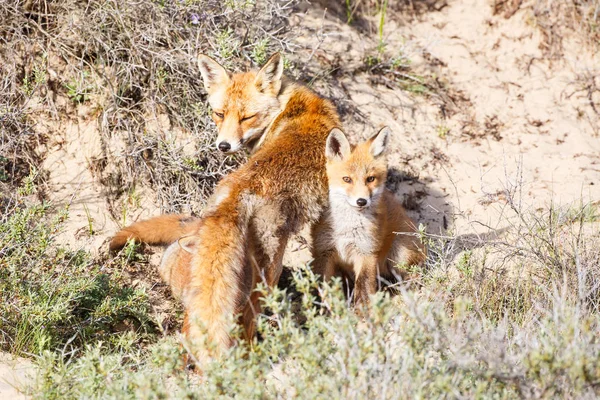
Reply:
x=356, y=176
x=243, y=104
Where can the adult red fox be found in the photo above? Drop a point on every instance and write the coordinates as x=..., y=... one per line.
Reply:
x=243, y=233
x=357, y=234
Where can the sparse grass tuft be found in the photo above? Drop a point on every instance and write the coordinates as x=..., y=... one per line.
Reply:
x=53, y=297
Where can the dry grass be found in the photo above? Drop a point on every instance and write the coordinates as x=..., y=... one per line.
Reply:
x=130, y=66
x=557, y=18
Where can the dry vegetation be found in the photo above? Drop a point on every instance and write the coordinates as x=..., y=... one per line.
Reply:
x=133, y=66
x=556, y=19
x=511, y=313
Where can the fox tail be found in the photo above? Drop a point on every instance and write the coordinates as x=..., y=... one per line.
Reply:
x=160, y=231
x=221, y=280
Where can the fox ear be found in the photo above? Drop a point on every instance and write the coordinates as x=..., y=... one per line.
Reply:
x=337, y=146
x=379, y=142
x=188, y=243
x=269, y=76
x=212, y=72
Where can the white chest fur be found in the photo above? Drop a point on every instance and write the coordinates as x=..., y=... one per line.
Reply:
x=352, y=231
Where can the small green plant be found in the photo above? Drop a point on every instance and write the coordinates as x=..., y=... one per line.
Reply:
x=584, y=212
x=227, y=45
x=39, y=72
x=239, y=4
x=372, y=61
x=78, y=90
x=161, y=77
x=133, y=198
x=349, y=12
x=413, y=83
x=464, y=264
x=90, y=220
x=28, y=186
x=27, y=85
x=397, y=69
x=259, y=51
x=192, y=164
x=131, y=201
x=442, y=131
x=3, y=173
x=131, y=251
x=201, y=109
x=383, y=10
x=34, y=79
x=400, y=62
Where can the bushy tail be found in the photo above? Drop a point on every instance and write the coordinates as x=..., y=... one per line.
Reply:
x=161, y=231
x=221, y=279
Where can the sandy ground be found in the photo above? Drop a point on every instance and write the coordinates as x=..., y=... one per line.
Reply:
x=509, y=115
x=519, y=120
x=15, y=373
x=509, y=118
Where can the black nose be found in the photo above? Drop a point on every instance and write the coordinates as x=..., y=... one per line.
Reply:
x=224, y=146
x=361, y=202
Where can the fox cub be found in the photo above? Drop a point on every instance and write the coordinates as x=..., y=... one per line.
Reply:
x=361, y=233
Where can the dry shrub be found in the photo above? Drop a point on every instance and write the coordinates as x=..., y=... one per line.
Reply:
x=518, y=271
x=557, y=18
x=131, y=66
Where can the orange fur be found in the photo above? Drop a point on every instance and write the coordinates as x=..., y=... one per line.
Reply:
x=358, y=234
x=245, y=104
x=242, y=240
x=160, y=231
x=242, y=236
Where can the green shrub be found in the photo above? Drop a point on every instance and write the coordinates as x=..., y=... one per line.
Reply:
x=406, y=347
x=52, y=297
x=464, y=333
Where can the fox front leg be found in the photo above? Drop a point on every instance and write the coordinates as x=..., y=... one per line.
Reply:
x=365, y=282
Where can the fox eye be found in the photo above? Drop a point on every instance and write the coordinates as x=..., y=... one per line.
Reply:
x=347, y=179
x=370, y=179
x=248, y=117
x=219, y=115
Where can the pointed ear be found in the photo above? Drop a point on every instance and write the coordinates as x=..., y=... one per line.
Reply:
x=188, y=243
x=269, y=76
x=212, y=72
x=379, y=142
x=337, y=146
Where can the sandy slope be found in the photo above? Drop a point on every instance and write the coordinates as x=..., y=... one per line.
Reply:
x=518, y=112
x=510, y=110
x=506, y=109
